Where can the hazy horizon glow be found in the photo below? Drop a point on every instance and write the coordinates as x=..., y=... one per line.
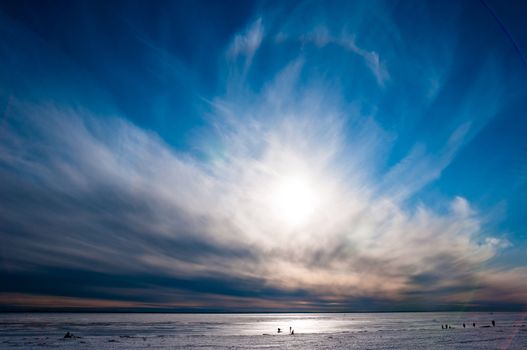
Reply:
x=307, y=160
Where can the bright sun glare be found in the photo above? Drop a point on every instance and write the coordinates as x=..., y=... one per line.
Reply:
x=294, y=200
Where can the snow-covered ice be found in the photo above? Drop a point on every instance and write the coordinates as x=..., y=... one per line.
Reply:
x=251, y=331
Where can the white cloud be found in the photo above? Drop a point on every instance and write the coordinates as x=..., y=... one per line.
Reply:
x=121, y=194
x=371, y=58
x=248, y=42
x=419, y=167
x=321, y=37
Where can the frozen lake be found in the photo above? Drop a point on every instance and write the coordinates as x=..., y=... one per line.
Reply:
x=230, y=331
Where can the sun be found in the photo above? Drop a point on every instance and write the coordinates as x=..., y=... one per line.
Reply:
x=294, y=199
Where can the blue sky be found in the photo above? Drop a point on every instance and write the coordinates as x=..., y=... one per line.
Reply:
x=263, y=155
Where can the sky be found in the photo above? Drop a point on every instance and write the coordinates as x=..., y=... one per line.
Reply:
x=227, y=156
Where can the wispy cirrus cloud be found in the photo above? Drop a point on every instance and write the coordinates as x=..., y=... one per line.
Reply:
x=103, y=195
x=322, y=37
x=246, y=43
x=109, y=214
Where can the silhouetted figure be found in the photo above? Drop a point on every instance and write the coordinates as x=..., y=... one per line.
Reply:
x=449, y=327
x=493, y=323
x=292, y=332
x=68, y=335
x=474, y=325
x=442, y=326
x=464, y=325
x=279, y=330
x=290, y=328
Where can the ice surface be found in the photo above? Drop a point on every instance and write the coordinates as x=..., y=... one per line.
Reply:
x=259, y=331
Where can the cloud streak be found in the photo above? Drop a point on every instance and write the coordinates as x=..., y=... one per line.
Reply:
x=246, y=44
x=321, y=37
